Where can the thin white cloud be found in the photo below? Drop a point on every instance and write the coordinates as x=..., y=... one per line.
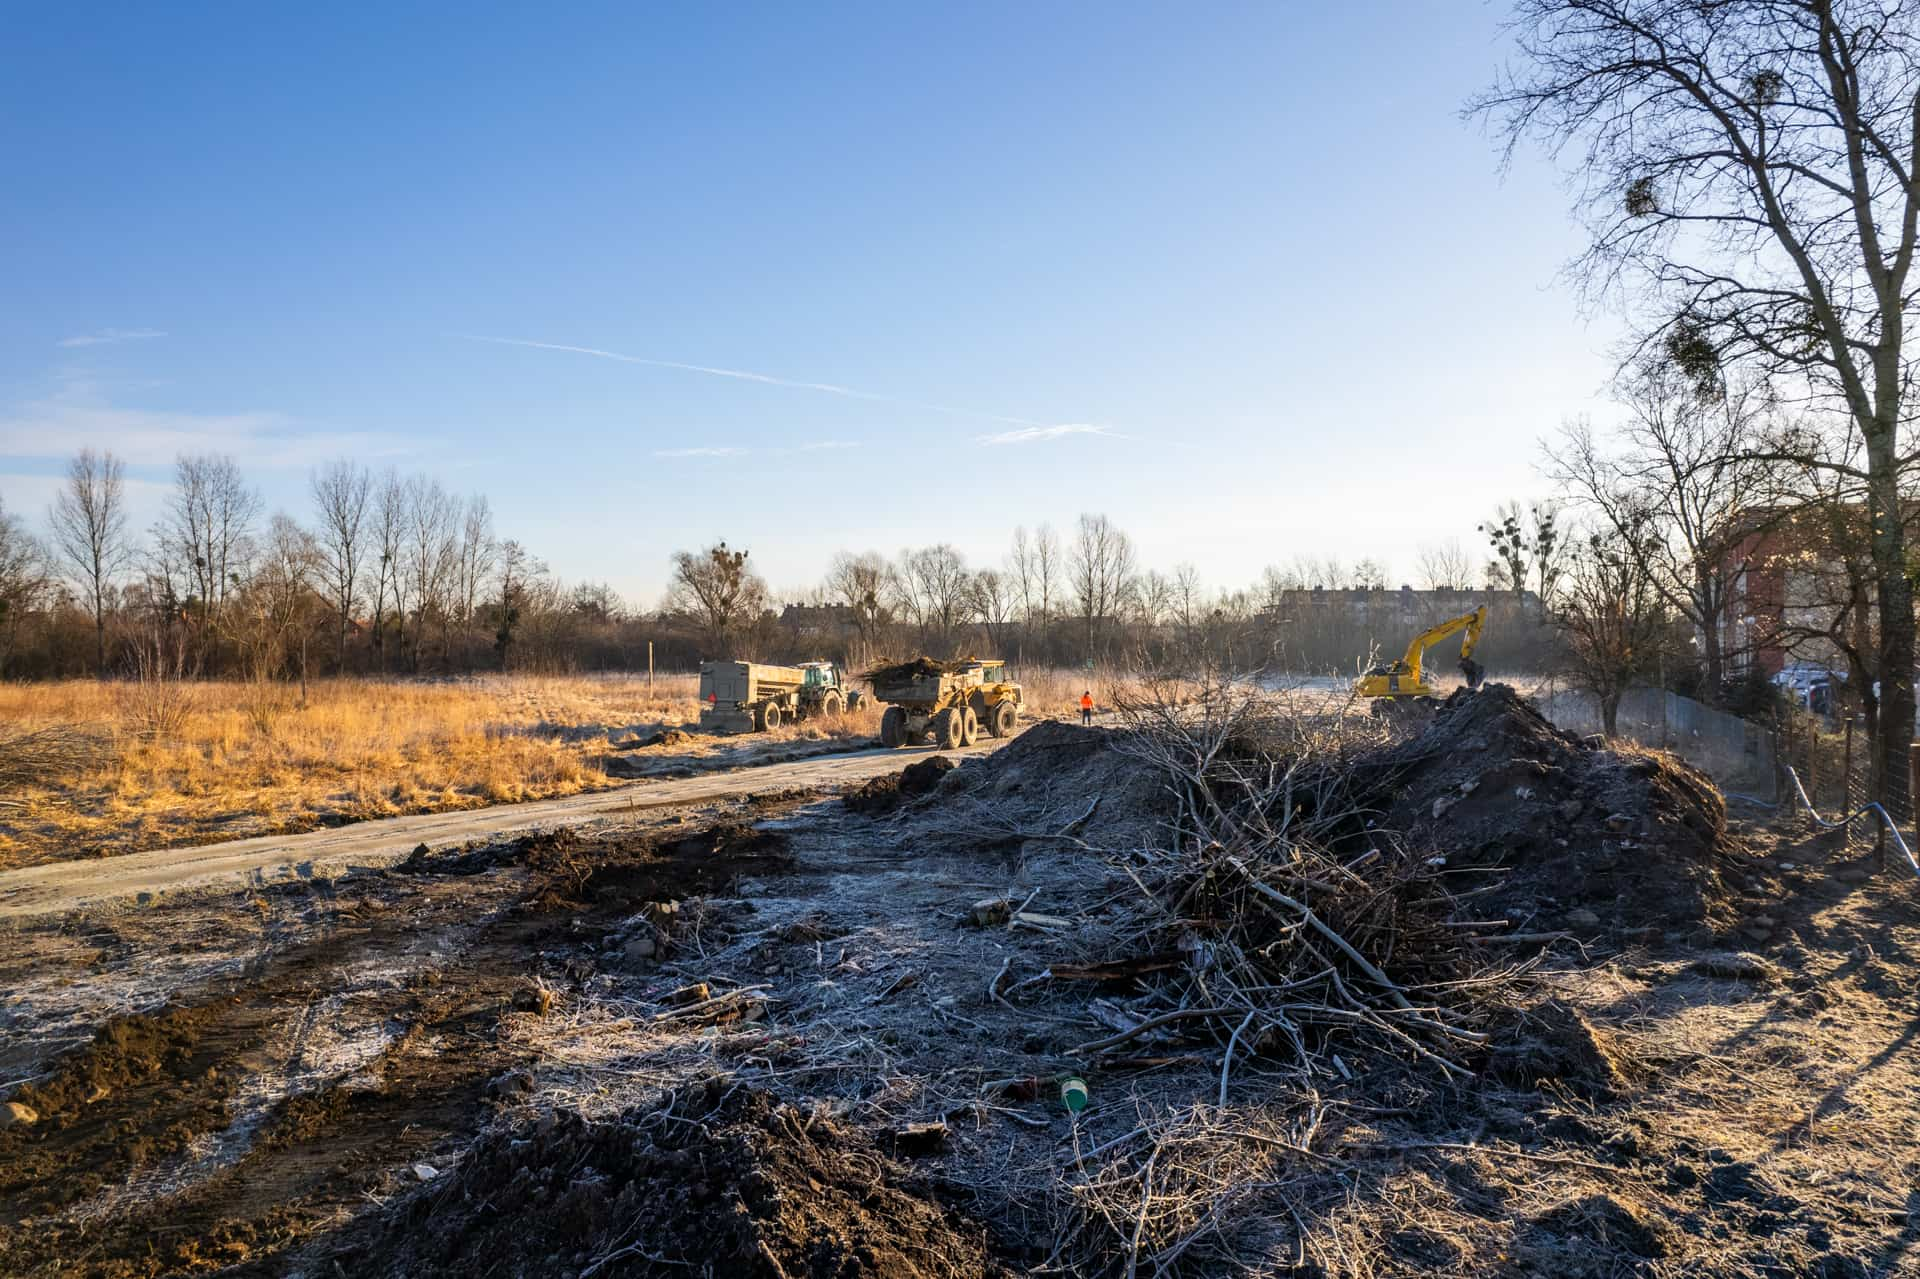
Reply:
x=78, y=417
x=734, y=450
x=1033, y=434
x=106, y=337
x=766, y=379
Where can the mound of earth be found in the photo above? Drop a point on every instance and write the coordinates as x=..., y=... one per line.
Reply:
x=723, y=1180
x=1060, y=778
x=887, y=792
x=1585, y=835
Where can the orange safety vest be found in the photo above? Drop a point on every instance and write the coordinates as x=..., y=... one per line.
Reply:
x=1086, y=701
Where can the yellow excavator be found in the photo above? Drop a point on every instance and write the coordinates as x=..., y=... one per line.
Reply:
x=1407, y=677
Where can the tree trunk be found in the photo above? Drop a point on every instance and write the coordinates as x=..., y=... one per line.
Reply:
x=100, y=641
x=1610, y=714
x=1713, y=661
x=1896, y=626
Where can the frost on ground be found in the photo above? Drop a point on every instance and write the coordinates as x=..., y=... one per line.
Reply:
x=1470, y=999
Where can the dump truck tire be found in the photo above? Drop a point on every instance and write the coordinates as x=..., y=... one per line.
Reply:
x=1000, y=720
x=830, y=704
x=893, y=727
x=766, y=716
x=949, y=729
x=969, y=727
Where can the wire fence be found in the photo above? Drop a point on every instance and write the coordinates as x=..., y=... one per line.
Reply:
x=1820, y=761
x=1736, y=753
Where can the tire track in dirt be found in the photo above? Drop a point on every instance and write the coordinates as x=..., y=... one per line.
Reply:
x=123, y=1174
x=60, y=887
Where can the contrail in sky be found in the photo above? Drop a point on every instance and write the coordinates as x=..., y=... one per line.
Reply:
x=766, y=379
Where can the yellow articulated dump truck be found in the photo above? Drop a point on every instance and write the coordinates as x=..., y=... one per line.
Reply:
x=745, y=697
x=953, y=701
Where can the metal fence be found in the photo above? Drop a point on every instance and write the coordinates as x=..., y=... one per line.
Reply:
x=1736, y=753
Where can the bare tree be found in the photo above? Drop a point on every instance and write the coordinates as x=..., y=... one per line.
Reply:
x=936, y=591
x=1101, y=574
x=205, y=540
x=1527, y=547
x=430, y=556
x=389, y=545
x=23, y=580
x=89, y=522
x=993, y=601
x=474, y=559
x=1370, y=575
x=273, y=615
x=518, y=572
x=1445, y=566
x=1611, y=617
x=862, y=583
x=1680, y=483
x=717, y=589
x=1188, y=606
x=341, y=492
x=1748, y=171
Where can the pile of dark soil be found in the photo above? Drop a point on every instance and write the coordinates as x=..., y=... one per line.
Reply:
x=887, y=792
x=721, y=1181
x=1055, y=776
x=888, y=672
x=1585, y=836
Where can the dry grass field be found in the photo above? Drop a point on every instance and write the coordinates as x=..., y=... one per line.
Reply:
x=126, y=766
x=91, y=768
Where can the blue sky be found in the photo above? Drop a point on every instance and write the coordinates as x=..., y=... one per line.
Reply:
x=1253, y=247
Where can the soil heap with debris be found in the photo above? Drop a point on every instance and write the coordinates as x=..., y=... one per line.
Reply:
x=722, y=1180
x=1057, y=779
x=1586, y=836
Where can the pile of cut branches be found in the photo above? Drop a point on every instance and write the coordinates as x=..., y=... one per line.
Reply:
x=1306, y=932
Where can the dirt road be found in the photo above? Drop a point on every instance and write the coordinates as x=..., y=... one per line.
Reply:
x=64, y=886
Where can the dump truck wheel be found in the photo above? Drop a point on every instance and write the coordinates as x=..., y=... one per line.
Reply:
x=1000, y=720
x=949, y=730
x=969, y=727
x=766, y=716
x=893, y=727
x=830, y=704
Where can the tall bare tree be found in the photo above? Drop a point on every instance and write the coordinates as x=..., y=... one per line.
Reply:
x=717, y=589
x=24, y=580
x=1445, y=566
x=431, y=554
x=1680, y=482
x=863, y=583
x=1611, y=617
x=936, y=591
x=389, y=547
x=1101, y=574
x=341, y=495
x=474, y=561
x=89, y=520
x=205, y=540
x=1749, y=170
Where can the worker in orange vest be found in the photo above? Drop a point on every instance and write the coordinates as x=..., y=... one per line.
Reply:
x=1086, y=707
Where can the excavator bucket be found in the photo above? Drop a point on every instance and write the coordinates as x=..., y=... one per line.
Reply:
x=1476, y=674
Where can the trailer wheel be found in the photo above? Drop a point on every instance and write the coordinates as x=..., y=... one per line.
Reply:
x=1000, y=720
x=893, y=727
x=969, y=727
x=766, y=716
